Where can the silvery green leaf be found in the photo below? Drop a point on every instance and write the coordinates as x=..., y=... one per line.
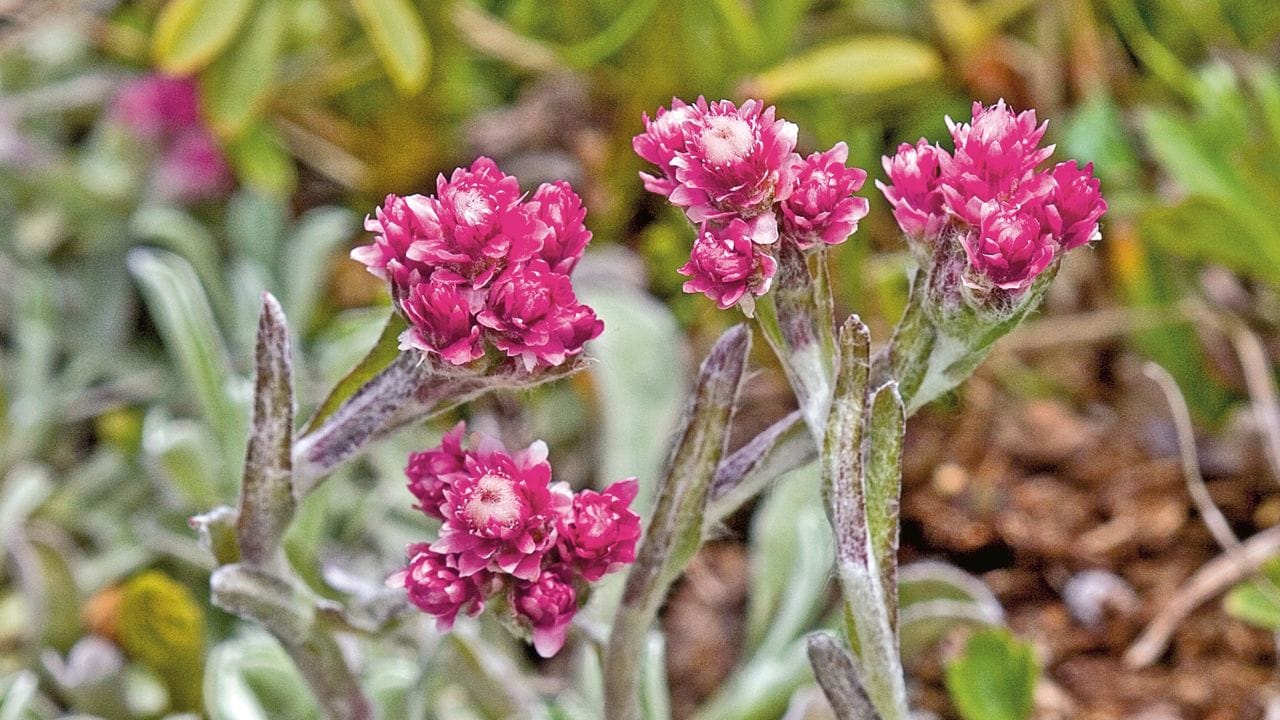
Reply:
x=255, y=224
x=185, y=454
x=837, y=673
x=170, y=228
x=865, y=601
x=795, y=318
x=674, y=531
x=780, y=448
x=791, y=556
x=935, y=597
x=308, y=252
x=284, y=607
x=236, y=672
x=181, y=312
x=884, y=487
x=267, y=499
x=641, y=377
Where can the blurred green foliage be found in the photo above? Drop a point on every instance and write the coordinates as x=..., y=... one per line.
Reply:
x=126, y=319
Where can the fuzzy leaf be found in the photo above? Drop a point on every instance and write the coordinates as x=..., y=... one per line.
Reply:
x=379, y=357
x=869, y=622
x=180, y=309
x=267, y=500
x=251, y=678
x=884, y=487
x=838, y=675
x=779, y=449
x=674, y=532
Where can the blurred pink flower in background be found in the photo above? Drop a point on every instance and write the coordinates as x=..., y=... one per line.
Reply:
x=165, y=111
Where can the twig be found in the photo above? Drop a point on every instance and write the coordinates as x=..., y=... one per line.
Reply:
x=1262, y=391
x=1209, y=581
x=1209, y=512
x=1086, y=328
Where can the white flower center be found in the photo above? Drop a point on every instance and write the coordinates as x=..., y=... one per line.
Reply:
x=472, y=207
x=494, y=501
x=726, y=139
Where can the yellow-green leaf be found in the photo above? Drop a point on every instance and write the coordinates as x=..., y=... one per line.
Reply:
x=859, y=66
x=400, y=40
x=236, y=86
x=261, y=161
x=190, y=34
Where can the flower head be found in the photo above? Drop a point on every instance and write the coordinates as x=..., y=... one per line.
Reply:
x=1008, y=249
x=500, y=513
x=914, y=189
x=507, y=526
x=441, y=322
x=437, y=588
x=433, y=471
x=478, y=266
x=1012, y=218
x=192, y=168
x=397, y=227
x=533, y=315
x=727, y=265
x=545, y=606
x=1076, y=207
x=821, y=207
x=662, y=138
x=561, y=210
x=475, y=222
x=735, y=161
x=598, y=534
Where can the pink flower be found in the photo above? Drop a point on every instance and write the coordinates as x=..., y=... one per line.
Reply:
x=995, y=159
x=726, y=264
x=433, y=471
x=736, y=162
x=1072, y=216
x=561, y=210
x=1009, y=248
x=662, y=138
x=914, y=189
x=599, y=532
x=437, y=588
x=397, y=226
x=474, y=225
x=546, y=606
x=441, y=322
x=500, y=512
x=821, y=206
x=532, y=314
x=154, y=106
x=192, y=168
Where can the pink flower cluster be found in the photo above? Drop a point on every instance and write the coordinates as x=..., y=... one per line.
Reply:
x=737, y=176
x=508, y=529
x=1011, y=218
x=165, y=111
x=479, y=264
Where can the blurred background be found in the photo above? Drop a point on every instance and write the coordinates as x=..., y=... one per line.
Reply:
x=163, y=162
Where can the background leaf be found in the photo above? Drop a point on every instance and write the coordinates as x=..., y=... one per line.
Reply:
x=189, y=34
x=858, y=66
x=400, y=40
x=995, y=678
